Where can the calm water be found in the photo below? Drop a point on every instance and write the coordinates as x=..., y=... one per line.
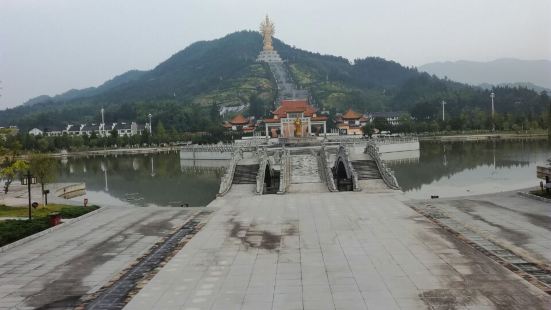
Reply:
x=470, y=168
x=142, y=180
x=444, y=169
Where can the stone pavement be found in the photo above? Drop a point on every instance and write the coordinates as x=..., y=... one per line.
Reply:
x=518, y=223
x=55, y=270
x=347, y=250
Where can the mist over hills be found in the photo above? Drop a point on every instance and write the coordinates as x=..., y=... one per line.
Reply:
x=534, y=74
x=186, y=91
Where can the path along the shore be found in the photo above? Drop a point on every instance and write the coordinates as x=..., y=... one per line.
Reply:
x=55, y=270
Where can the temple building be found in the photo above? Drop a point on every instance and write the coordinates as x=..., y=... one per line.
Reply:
x=295, y=118
x=240, y=123
x=351, y=123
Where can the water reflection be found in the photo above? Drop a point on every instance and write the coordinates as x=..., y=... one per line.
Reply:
x=141, y=180
x=460, y=168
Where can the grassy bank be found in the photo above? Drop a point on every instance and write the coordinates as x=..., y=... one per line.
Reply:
x=13, y=230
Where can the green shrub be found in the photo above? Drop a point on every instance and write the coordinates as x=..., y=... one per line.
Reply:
x=72, y=212
x=13, y=230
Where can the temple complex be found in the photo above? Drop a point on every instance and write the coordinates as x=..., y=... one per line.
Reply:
x=295, y=119
x=351, y=123
x=240, y=123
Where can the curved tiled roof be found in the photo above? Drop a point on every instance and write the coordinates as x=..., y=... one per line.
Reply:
x=239, y=119
x=351, y=115
x=289, y=106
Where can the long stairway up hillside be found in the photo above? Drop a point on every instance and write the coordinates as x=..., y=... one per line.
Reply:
x=366, y=169
x=245, y=174
x=286, y=88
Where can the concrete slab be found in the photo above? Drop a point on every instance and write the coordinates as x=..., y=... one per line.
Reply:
x=330, y=251
x=55, y=270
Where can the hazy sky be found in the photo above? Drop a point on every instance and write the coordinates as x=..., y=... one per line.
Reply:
x=50, y=46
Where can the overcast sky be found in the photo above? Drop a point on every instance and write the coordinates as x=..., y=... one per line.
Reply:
x=50, y=46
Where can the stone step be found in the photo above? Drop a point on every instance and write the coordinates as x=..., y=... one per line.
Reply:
x=245, y=174
x=366, y=169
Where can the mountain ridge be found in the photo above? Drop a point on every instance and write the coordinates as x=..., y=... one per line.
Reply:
x=498, y=71
x=186, y=91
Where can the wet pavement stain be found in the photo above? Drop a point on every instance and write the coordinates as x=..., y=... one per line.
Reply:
x=487, y=283
x=251, y=237
x=66, y=287
x=469, y=207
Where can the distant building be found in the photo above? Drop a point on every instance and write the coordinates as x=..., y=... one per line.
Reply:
x=126, y=129
x=240, y=123
x=351, y=122
x=36, y=132
x=295, y=118
x=393, y=118
x=53, y=131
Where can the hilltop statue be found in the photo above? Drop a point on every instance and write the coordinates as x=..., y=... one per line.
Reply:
x=268, y=53
x=267, y=29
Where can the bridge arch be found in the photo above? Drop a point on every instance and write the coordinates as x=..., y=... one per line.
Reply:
x=342, y=175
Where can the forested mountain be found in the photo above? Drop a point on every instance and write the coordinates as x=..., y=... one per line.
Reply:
x=186, y=91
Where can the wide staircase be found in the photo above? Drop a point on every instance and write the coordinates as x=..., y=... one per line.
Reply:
x=366, y=169
x=245, y=174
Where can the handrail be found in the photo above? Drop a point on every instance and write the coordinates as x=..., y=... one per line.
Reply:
x=285, y=171
x=227, y=178
x=261, y=171
x=386, y=174
x=325, y=171
x=343, y=153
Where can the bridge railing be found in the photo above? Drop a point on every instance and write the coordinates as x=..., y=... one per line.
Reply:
x=344, y=155
x=386, y=174
x=326, y=171
x=285, y=174
x=227, y=178
x=261, y=171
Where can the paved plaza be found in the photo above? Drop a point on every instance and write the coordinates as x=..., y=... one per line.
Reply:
x=348, y=250
x=515, y=222
x=55, y=270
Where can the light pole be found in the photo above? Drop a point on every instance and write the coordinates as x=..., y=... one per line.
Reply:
x=150, y=124
x=492, y=96
x=443, y=109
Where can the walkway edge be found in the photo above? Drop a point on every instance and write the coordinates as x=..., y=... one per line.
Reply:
x=535, y=197
x=49, y=230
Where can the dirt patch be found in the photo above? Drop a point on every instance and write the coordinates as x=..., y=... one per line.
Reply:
x=252, y=237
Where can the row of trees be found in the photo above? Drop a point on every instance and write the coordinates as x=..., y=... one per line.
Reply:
x=467, y=120
x=40, y=166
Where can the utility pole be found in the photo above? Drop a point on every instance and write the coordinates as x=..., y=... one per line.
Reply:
x=29, y=181
x=102, y=122
x=443, y=109
x=492, y=96
x=150, y=124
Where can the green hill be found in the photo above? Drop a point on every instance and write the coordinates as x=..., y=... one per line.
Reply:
x=186, y=91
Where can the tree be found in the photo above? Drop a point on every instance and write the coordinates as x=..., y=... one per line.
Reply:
x=160, y=132
x=43, y=168
x=368, y=129
x=11, y=171
x=381, y=123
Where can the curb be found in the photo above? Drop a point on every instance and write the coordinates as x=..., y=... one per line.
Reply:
x=49, y=230
x=535, y=197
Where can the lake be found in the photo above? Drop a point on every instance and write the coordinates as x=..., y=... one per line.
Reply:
x=444, y=169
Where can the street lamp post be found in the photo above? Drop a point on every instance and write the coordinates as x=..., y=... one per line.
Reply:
x=492, y=96
x=150, y=124
x=443, y=109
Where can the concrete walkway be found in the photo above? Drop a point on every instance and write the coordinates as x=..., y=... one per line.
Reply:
x=330, y=251
x=518, y=223
x=55, y=270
